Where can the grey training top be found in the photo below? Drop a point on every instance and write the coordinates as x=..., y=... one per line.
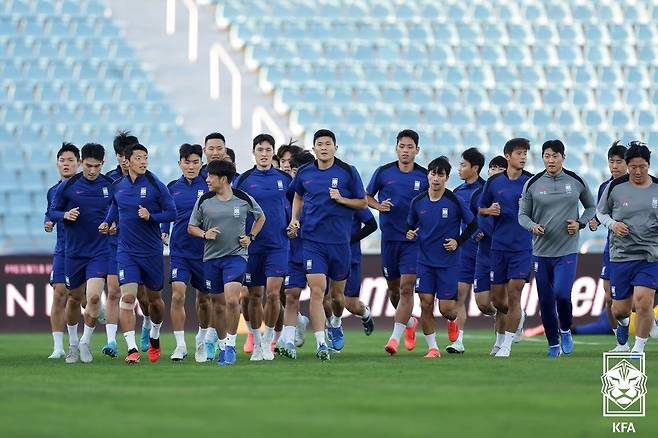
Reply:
x=549, y=201
x=229, y=217
x=636, y=207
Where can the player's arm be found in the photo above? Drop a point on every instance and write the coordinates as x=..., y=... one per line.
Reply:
x=525, y=210
x=297, y=205
x=604, y=213
x=589, y=213
x=58, y=207
x=595, y=222
x=168, y=206
x=468, y=232
x=412, y=222
x=486, y=206
x=355, y=203
x=48, y=222
x=259, y=217
x=369, y=226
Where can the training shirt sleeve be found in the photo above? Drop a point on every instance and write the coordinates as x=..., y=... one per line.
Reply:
x=587, y=200
x=374, y=184
x=525, y=208
x=196, y=218
x=58, y=205
x=412, y=218
x=604, y=209
x=357, y=184
x=486, y=199
x=298, y=186
x=254, y=209
x=167, y=204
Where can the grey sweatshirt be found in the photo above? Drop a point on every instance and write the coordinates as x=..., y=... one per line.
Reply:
x=636, y=207
x=550, y=201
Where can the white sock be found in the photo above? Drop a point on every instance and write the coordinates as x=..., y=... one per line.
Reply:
x=211, y=335
x=230, y=340
x=258, y=339
x=130, y=340
x=398, y=329
x=366, y=312
x=639, y=344
x=460, y=338
x=431, y=341
x=111, y=332
x=509, y=338
x=268, y=335
x=222, y=344
x=277, y=336
x=335, y=321
x=564, y=332
x=86, y=334
x=614, y=331
x=180, y=338
x=410, y=323
x=73, y=334
x=288, y=334
x=201, y=335
x=146, y=323
x=58, y=341
x=301, y=319
x=319, y=338
x=155, y=330
x=624, y=321
x=500, y=338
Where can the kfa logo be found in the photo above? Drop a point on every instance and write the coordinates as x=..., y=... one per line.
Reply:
x=122, y=275
x=286, y=280
x=654, y=203
x=491, y=276
x=334, y=183
x=417, y=283
x=106, y=192
x=199, y=193
x=208, y=284
x=236, y=212
x=279, y=184
x=67, y=281
x=444, y=212
x=309, y=265
x=247, y=277
x=536, y=266
x=142, y=192
x=416, y=185
x=174, y=273
x=624, y=385
x=568, y=188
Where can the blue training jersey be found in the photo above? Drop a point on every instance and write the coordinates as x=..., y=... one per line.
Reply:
x=508, y=235
x=185, y=194
x=268, y=188
x=325, y=220
x=437, y=221
x=137, y=236
x=464, y=192
x=360, y=217
x=59, y=226
x=93, y=199
x=485, y=226
x=115, y=174
x=389, y=182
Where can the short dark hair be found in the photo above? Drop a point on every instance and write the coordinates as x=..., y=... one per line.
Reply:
x=260, y=138
x=637, y=149
x=93, y=150
x=440, y=164
x=231, y=154
x=516, y=143
x=554, y=145
x=128, y=152
x=276, y=158
x=122, y=140
x=301, y=158
x=475, y=157
x=617, y=150
x=408, y=133
x=69, y=147
x=187, y=149
x=290, y=147
x=221, y=168
x=213, y=135
x=498, y=161
x=324, y=133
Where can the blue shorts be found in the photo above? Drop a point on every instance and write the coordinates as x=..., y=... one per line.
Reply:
x=57, y=274
x=112, y=260
x=482, y=282
x=353, y=285
x=441, y=282
x=332, y=260
x=625, y=275
x=605, y=268
x=80, y=269
x=260, y=267
x=399, y=258
x=295, y=277
x=467, y=267
x=224, y=270
x=188, y=271
x=510, y=265
x=145, y=270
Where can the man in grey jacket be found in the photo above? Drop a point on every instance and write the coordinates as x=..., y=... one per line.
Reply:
x=549, y=208
x=629, y=208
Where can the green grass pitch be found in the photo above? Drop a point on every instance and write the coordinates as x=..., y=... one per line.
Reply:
x=361, y=392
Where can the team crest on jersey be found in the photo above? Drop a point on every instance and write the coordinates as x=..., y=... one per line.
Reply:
x=416, y=185
x=247, y=277
x=279, y=184
x=444, y=212
x=174, y=273
x=208, y=284
x=568, y=188
x=199, y=193
x=106, y=192
x=309, y=265
x=142, y=192
x=122, y=275
x=236, y=212
x=654, y=203
x=334, y=183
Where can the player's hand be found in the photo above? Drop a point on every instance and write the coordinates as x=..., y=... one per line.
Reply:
x=494, y=210
x=72, y=214
x=479, y=236
x=450, y=245
x=165, y=238
x=538, y=230
x=335, y=195
x=245, y=241
x=292, y=233
x=593, y=225
x=572, y=227
x=113, y=229
x=104, y=228
x=48, y=226
x=293, y=227
x=385, y=206
x=212, y=233
x=143, y=213
x=620, y=229
x=411, y=234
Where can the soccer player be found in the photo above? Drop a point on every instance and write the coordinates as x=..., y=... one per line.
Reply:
x=549, y=209
x=68, y=162
x=286, y=154
x=482, y=281
x=470, y=167
x=395, y=185
x=82, y=202
x=186, y=252
x=268, y=254
x=329, y=191
x=214, y=149
x=276, y=162
x=435, y=218
x=618, y=168
x=141, y=203
x=220, y=218
x=511, y=244
x=628, y=208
